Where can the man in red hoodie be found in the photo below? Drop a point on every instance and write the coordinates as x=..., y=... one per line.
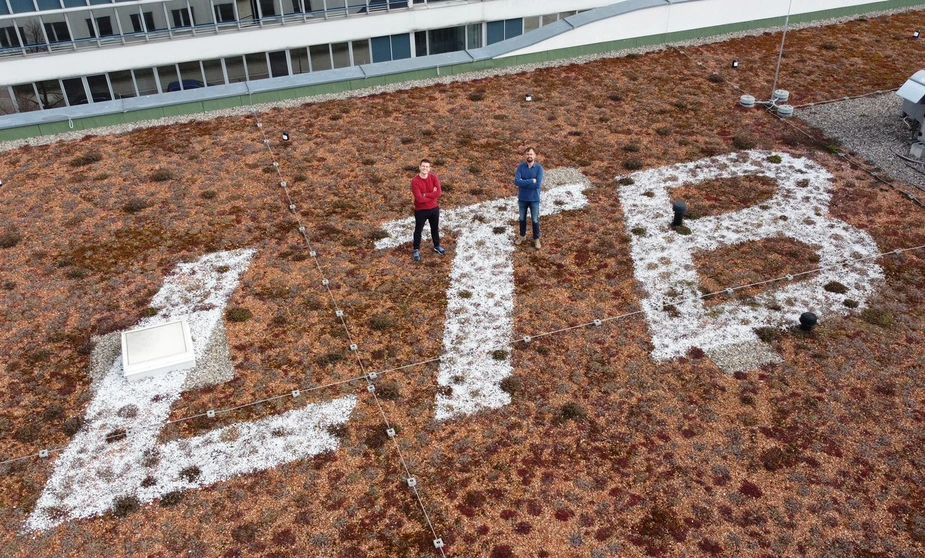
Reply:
x=426, y=189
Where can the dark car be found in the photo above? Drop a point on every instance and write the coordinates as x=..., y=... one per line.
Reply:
x=185, y=84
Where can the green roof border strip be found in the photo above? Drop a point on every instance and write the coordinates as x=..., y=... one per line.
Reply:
x=39, y=123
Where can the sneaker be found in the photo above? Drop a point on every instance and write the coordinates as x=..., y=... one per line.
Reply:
x=536, y=243
x=416, y=255
x=518, y=240
x=440, y=250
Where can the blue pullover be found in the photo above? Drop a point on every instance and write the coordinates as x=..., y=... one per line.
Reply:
x=528, y=190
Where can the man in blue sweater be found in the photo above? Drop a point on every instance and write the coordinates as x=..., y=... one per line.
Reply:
x=529, y=179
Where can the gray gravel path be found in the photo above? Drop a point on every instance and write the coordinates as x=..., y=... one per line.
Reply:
x=872, y=128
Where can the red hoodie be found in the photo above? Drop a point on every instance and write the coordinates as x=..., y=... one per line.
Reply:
x=426, y=191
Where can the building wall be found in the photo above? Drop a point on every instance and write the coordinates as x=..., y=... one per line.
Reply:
x=674, y=18
x=205, y=46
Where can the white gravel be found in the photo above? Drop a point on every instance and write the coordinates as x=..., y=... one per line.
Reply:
x=237, y=111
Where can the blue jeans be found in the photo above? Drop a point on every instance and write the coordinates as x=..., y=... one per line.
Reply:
x=534, y=215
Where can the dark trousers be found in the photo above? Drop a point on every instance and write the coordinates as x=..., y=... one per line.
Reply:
x=422, y=215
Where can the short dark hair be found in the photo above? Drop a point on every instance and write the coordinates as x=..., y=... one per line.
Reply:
x=425, y=161
x=529, y=149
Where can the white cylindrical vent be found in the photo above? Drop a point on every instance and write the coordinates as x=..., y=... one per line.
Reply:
x=785, y=111
x=780, y=95
x=747, y=101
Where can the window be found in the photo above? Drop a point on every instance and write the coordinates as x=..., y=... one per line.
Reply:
x=257, y=66
x=148, y=22
x=190, y=75
x=297, y=7
x=224, y=13
x=25, y=97
x=214, y=73
x=234, y=65
x=278, y=65
x=450, y=39
x=6, y=101
x=48, y=4
x=474, y=35
x=182, y=17
x=394, y=47
x=50, y=94
x=103, y=23
x=144, y=78
x=321, y=57
x=167, y=75
x=122, y=85
x=340, y=52
x=74, y=90
x=501, y=30
x=531, y=23
x=57, y=32
x=8, y=37
x=299, y=59
x=267, y=7
x=99, y=88
x=360, y=52
x=19, y=7
x=32, y=33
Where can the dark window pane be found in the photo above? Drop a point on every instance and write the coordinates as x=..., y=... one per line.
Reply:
x=513, y=28
x=144, y=78
x=6, y=101
x=57, y=32
x=321, y=57
x=99, y=88
x=168, y=78
x=25, y=97
x=360, y=52
x=257, y=66
x=235, y=68
x=224, y=12
x=190, y=75
x=450, y=39
x=340, y=52
x=420, y=43
x=19, y=7
x=74, y=3
x=278, y=65
x=8, y=37
x=299, y=58
x=74, y=89
x=268, y=7
x=122, y=85
x=401, y=46
x=181, y=18
x=214, y=74
x=50, y=94
x=495, y=32
x=49, y=4
x=382, y=49
x=32, y=33
x=105, y=26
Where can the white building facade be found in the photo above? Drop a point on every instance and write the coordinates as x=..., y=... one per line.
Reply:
x=65, y=53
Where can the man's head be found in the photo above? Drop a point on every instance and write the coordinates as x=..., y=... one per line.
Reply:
x=425, y=167
x=530, y=155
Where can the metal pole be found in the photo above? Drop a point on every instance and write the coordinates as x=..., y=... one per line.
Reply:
x=781, y=53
